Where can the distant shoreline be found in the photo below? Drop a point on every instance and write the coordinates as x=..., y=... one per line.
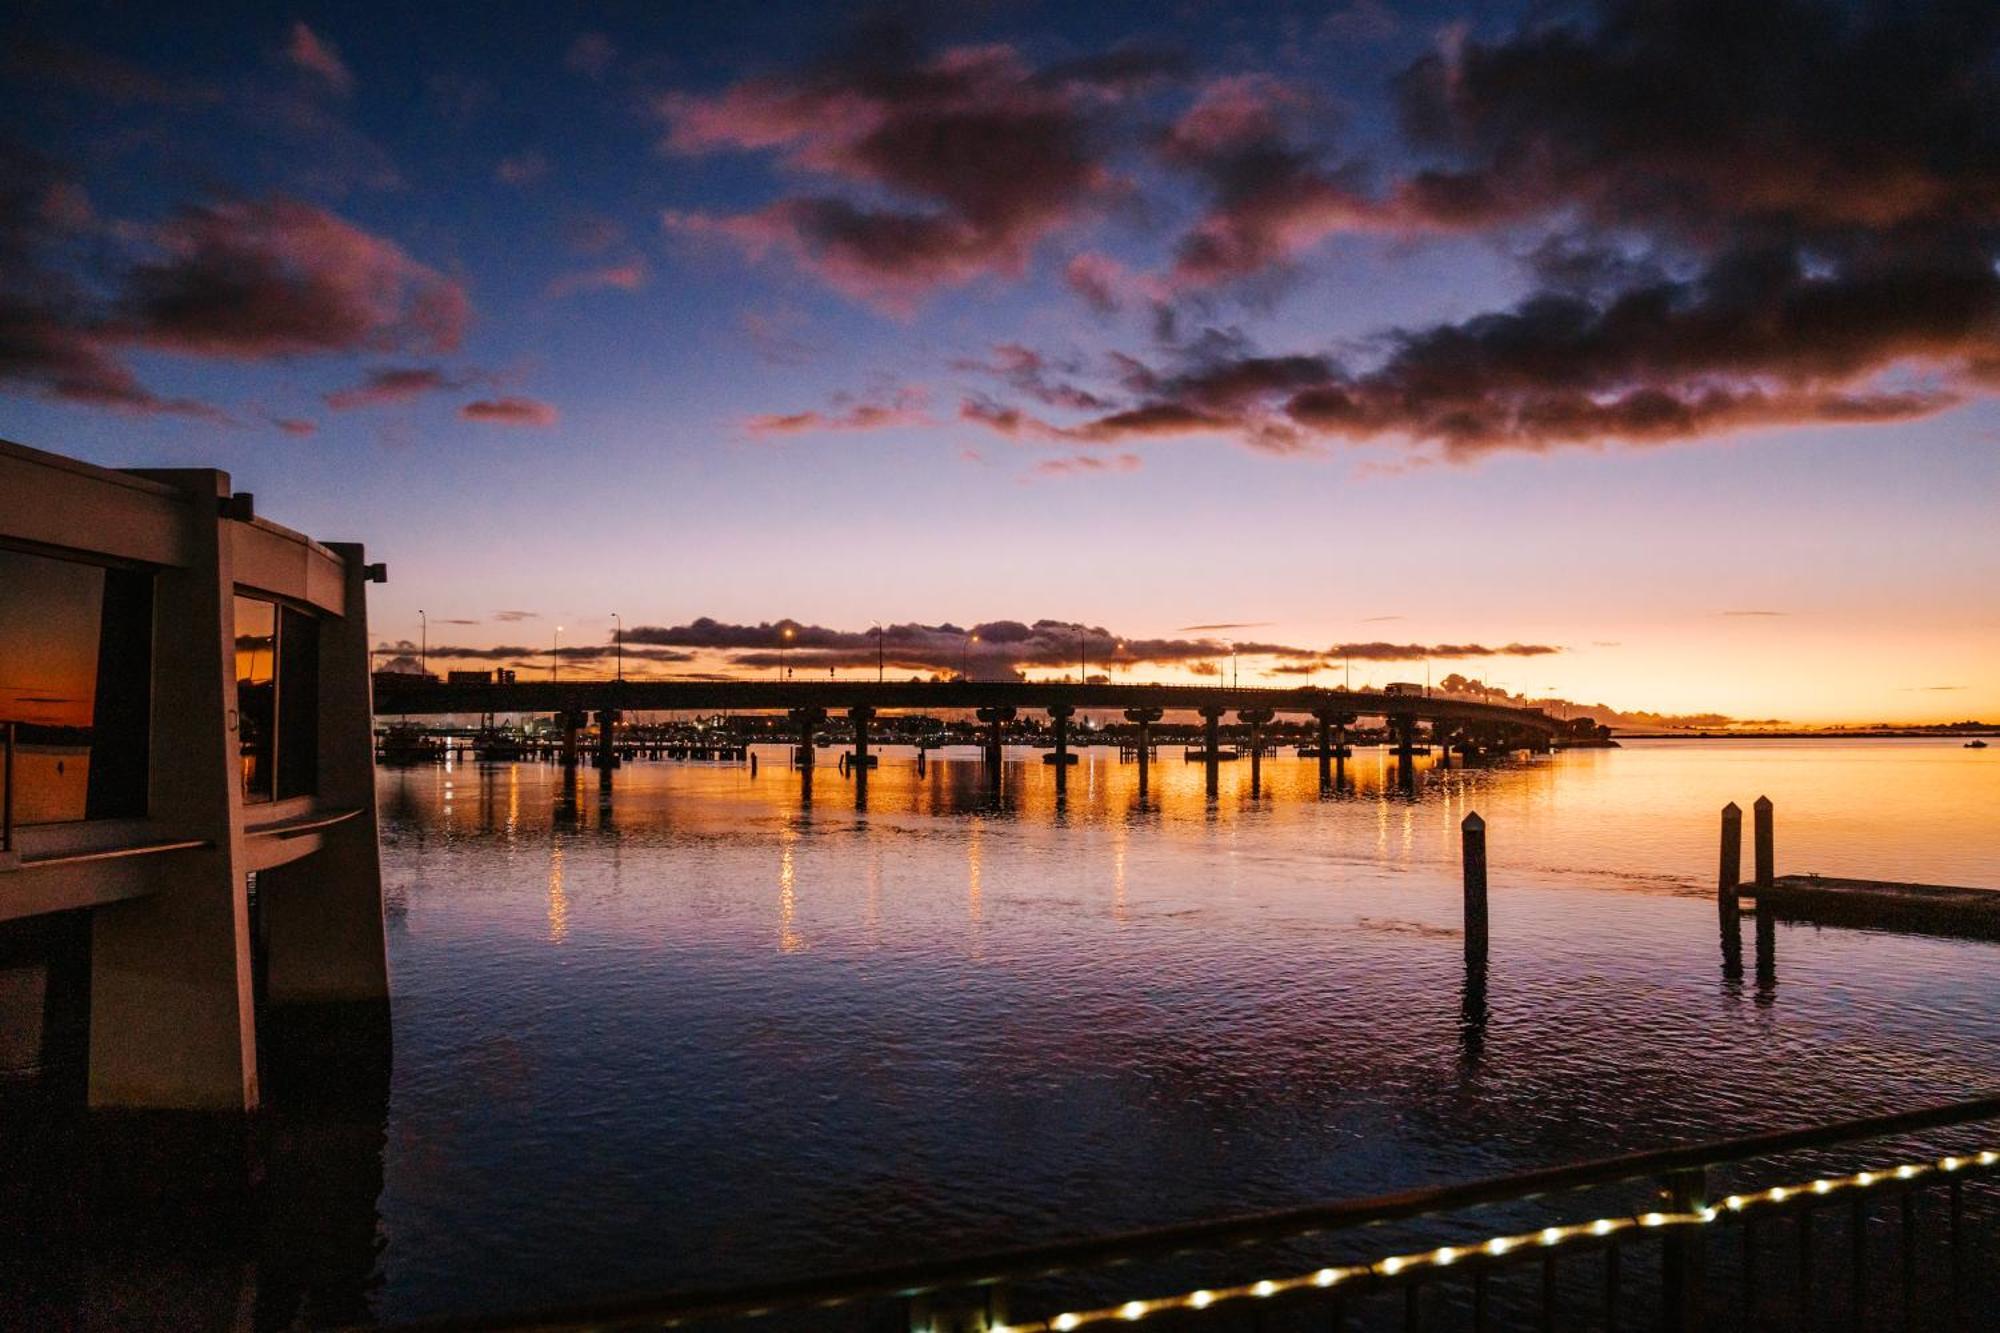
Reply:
x=1907, y=734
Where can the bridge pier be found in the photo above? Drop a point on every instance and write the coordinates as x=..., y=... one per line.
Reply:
x=607, y=742
x=806, y=720
x=996, y=719
x=571, y=721
x=861, y=715
x=1256, y=719
x=1441, y=739
x=1059, y=715
x=1144, y=718
x=1211, y=732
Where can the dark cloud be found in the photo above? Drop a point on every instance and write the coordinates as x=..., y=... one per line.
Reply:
x=1003, y=648
x=956, y=164
x=510, y=412
x=513, y=616
x=1222, y=625
x=394, y=384
x=1756, y=613
x=516, y=653
x=1747, y=220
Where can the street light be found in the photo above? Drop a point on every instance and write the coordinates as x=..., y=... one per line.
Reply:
x=620, y=640
x=1082, y=657
x=965, y=657
x=785, y=655
x=424, y=646
x=878, y=652
x=555, y=656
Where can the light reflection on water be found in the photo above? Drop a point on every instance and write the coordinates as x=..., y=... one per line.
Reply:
x=697, y=1027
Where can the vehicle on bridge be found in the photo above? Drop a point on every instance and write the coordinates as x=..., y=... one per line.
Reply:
x=1402, y=687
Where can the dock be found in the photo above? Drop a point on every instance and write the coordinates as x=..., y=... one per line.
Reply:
x=1927, y=909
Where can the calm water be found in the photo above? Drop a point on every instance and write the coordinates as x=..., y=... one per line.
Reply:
x=695, y=1027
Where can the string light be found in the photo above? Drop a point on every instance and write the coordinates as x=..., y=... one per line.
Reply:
x=1445, y=1255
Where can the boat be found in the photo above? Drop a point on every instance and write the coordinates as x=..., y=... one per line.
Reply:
x=1975, y=744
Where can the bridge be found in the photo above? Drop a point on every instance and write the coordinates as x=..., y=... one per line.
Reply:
x=1453, y=721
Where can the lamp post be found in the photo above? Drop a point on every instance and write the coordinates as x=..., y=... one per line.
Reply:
x=965, y=658
x=1082, y=657
x=424, y=643
x=620, y=641
x=878, y=653
x=785, y=654
x=555, y=656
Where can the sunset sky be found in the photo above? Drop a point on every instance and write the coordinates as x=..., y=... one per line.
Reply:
x=1643, y=354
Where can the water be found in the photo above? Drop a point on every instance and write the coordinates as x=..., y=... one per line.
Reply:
x=693, y=1028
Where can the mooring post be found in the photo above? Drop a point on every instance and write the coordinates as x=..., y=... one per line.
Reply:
x=1765, y=858
x=1325, y=721
x=1211, y=739
x=1472, y=853
x=1729, y=877
x=1059, y=714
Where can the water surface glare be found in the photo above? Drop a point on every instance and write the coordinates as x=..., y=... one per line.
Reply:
x=692, y=1026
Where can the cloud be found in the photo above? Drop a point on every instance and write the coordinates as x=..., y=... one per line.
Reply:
x=1756, y=613
x=1222, y=625
x=393, y=384
x=904, y=407
x=1085, y=465
x=1732, y=223
x=513, y=616
x=945, y=167
x=510, y=412
x=1004, y=648
x=297, y=427
x=629, y=276
x=1372, y=620
x=318, y=57
x=518, y=653
x=524, y=168
x=260, y=279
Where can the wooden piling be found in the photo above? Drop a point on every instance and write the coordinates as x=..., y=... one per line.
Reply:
x=1729, y=877
x=1472, y=852
x=1765, y=858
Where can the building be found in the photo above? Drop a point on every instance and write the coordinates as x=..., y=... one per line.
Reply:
x=188, y=830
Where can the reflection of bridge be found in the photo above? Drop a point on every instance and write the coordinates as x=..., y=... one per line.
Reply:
x=1453, y=721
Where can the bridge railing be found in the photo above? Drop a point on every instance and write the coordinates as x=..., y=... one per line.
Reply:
x=1661, y=1238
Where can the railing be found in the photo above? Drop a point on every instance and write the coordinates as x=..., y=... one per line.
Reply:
x=1024, y=1289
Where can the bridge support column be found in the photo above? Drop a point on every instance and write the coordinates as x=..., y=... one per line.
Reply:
x=1211, y=734
x=1144, y=718
x=807, y=720
x=861, y=715
x=571, y=720
x=996, y=719
x=607, y=742
x=1059, y=715
x=1441, y=738
x=1256, y=719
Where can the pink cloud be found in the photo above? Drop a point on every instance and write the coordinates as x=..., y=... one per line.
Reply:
x=275, y=278
x=318, y=57
x=510, y=412
x=1086, y=465
x=626, y=277
x=523, y=168
x=392, y=384
x=297, y=427
x=906, y=407
x=960, y=164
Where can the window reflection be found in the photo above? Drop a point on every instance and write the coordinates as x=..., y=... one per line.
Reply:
x=256, y=695
x=75, y=682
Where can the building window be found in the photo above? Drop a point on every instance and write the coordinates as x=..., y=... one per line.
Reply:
x=298, y=704
x=76, y=671
x=277, y=700
x=257, y=696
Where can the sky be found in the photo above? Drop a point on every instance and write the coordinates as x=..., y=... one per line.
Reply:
x=1641, y=354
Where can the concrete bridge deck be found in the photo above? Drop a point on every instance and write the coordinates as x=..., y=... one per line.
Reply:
x=434, y=697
